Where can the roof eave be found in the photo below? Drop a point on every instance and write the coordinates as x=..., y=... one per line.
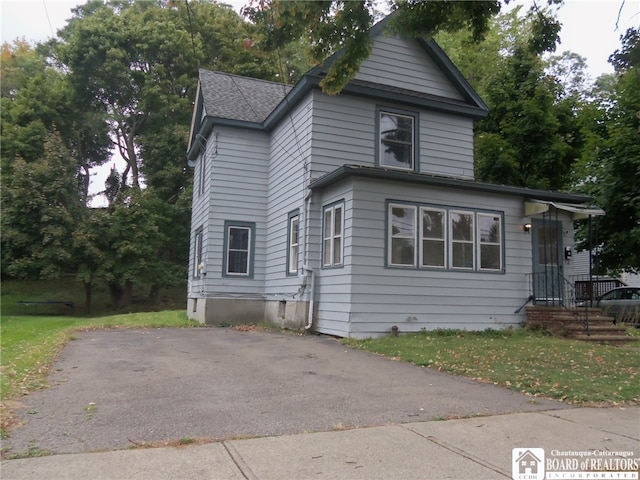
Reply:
x=205, y=130
x=347, y=171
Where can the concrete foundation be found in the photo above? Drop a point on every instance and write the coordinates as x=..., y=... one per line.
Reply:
x=289, y=314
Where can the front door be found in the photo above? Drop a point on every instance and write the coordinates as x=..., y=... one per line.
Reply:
x=546, y=241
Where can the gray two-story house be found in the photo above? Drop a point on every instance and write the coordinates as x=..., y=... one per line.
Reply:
x=357, y=213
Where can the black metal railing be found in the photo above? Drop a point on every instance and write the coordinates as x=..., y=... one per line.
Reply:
x=554, y=290
x=591, y=289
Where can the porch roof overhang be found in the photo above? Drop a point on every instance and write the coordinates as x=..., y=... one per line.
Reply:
x=347, y=171
x=579, y=211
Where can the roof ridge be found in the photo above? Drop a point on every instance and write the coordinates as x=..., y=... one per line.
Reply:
x=220, y=72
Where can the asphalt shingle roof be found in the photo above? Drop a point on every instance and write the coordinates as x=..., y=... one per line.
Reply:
x=240, y=98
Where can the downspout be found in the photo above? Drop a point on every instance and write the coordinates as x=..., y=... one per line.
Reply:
x=307, y=268
x=305, y=264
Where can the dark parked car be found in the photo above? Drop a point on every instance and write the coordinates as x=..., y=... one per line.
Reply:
x=623, y=304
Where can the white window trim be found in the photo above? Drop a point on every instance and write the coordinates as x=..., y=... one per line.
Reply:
x=412, y=167
x=229, y=250
x=448, y=238
x=391, y=236
x=444, y=237
x=471, y=242
x=480, y=243
x=198, y=263
x=332, y=236
x=292, y=267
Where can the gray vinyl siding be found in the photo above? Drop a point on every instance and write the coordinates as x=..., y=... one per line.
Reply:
x=289, y=151
x=427, y=298
x=446, y=145
x=334, y=284
x=581, y=263
x=403, y=63
x=236, y=191
x=200, y=206
x=344, y=133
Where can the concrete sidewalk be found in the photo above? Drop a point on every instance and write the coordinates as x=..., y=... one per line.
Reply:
x=472, y=448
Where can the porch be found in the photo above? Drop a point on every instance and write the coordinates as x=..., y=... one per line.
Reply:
x=564, y=308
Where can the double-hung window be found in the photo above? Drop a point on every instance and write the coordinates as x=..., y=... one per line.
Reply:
x=198, y=264
x=293, y=243
x=422, y=236
x=490, y=245
x=397, y=143
x=239, y=244
x=434, y=246
x=332, y=235
x=462, y=240
x=402, y=238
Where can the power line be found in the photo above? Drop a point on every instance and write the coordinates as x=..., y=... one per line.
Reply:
x=44, y=3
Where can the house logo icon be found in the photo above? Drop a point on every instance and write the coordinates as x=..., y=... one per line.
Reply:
x=527, y=463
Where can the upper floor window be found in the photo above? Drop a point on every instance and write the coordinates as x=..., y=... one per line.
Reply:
x=332, y=228
x=397, y=147
x=238, y=249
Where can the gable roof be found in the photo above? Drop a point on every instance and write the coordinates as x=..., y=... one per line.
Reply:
x=233, y=97
x=233, y=100
x=435, y=52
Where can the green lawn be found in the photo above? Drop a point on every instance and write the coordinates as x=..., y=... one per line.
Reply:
x=523, y=360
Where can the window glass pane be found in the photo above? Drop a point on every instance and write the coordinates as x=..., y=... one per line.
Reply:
x=432, y=224
x=462, y=255
x=396, y=140
x=294, y=230
x=402, y=251
x=489, y=229
x=238, y=262
x=462, y=226
x=239, y=238
x=337, y=251
x=433, y=253
x=548, y=245
x=327, y=223
x=293, y=259
x=402, y=222
x=326, y=253
x=490, y=257
x=337, y=229
x=397, y=155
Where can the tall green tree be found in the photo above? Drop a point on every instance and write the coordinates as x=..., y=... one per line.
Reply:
x=531, y=137
x=610, y=167
x=138, y=63
x=334, y=25
x=40, y=209
x=38, y=100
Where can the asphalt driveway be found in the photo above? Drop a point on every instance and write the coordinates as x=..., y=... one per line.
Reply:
x=119, y=388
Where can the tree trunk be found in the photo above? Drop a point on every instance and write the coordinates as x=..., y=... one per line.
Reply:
x=88, y=290
x=154, y=295
x=128, y=293
x=117, y=292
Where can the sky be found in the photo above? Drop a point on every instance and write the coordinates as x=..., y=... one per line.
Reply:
x=590, y=28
